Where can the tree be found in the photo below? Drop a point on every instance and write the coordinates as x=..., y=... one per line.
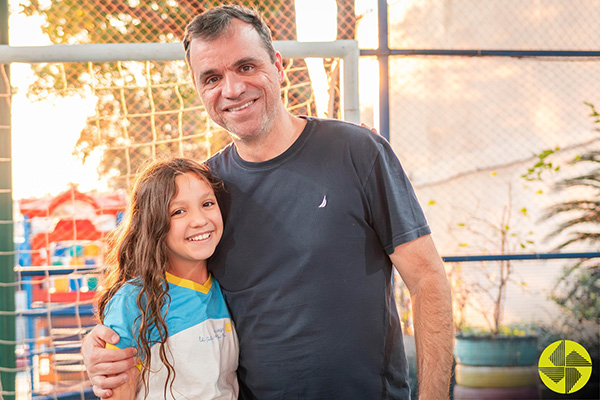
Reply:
x=145, y=108
x=578, y=290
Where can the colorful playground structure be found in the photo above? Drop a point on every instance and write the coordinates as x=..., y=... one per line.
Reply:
x=60, y=259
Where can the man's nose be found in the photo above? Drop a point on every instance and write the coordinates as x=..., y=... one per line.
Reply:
x=233, y=86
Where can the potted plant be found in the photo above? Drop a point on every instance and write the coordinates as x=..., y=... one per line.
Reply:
x=574, y=174
x=499, y=362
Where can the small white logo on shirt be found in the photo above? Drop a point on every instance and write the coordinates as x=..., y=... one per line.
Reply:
x=324, y=202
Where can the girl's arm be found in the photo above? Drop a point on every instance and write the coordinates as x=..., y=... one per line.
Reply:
x=128, y=390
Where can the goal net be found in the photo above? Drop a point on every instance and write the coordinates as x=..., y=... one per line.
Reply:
x=135, y=102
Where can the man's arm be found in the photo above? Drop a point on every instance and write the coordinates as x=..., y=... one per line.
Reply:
x=106, y=368
x=129, y=389
x=422, y=270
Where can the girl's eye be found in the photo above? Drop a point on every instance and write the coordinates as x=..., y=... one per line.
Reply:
x=176, y=212
x=208, y=204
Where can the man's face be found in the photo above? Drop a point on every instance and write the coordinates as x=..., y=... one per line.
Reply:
x=237, y=81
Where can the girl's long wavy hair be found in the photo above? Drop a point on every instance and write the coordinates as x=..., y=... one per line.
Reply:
x=138, y=254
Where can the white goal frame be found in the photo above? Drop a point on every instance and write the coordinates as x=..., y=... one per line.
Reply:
x=347, y=50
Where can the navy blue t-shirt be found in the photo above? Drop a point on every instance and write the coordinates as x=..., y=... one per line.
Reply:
x=304, y=265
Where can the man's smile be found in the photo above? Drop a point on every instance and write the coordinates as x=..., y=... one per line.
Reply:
x=245, y=105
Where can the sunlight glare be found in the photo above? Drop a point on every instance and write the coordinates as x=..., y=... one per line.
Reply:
x=306, y=20
x=44, y=132
x=57, y=122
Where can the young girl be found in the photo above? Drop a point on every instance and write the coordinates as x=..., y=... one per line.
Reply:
x=161, y=299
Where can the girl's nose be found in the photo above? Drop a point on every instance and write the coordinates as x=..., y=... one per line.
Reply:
x=199, y=219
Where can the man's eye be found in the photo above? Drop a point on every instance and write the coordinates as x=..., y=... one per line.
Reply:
x=247, y=68
x=211, y=80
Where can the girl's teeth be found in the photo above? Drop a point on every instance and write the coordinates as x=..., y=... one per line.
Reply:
x=200, y=237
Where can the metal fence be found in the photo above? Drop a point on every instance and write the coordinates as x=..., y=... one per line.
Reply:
x=61, y=239
x=472, y=95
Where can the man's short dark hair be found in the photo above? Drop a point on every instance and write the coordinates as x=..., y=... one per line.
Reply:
x=212, y=23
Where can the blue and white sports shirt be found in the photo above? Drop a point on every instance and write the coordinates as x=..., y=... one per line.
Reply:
x=202, y=340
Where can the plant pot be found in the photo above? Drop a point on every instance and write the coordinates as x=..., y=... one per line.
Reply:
x=494, y=368
x=496, y=377
x=500, y=351
x=470, y=393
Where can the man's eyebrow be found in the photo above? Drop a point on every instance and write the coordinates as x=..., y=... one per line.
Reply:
x=245, y=60
x=238, y=63
x=204, y=74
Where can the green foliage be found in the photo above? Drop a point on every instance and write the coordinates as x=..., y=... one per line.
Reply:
x=128, y=21
x=578, y=289
x=99, y=21
x=142, y=108
x=145, y=108
x=535, y=172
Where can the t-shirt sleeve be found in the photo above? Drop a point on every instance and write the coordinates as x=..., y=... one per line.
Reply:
x=122, y=317
x=396, y=214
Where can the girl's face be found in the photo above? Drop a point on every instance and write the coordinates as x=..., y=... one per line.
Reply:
x=196, y=225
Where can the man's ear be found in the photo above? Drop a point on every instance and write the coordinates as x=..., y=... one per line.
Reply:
x=279, y=66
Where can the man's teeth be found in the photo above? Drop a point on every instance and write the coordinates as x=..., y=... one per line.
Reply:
x=200, y=237
x=242, y=106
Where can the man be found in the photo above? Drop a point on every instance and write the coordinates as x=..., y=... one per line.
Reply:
x=316, y=212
